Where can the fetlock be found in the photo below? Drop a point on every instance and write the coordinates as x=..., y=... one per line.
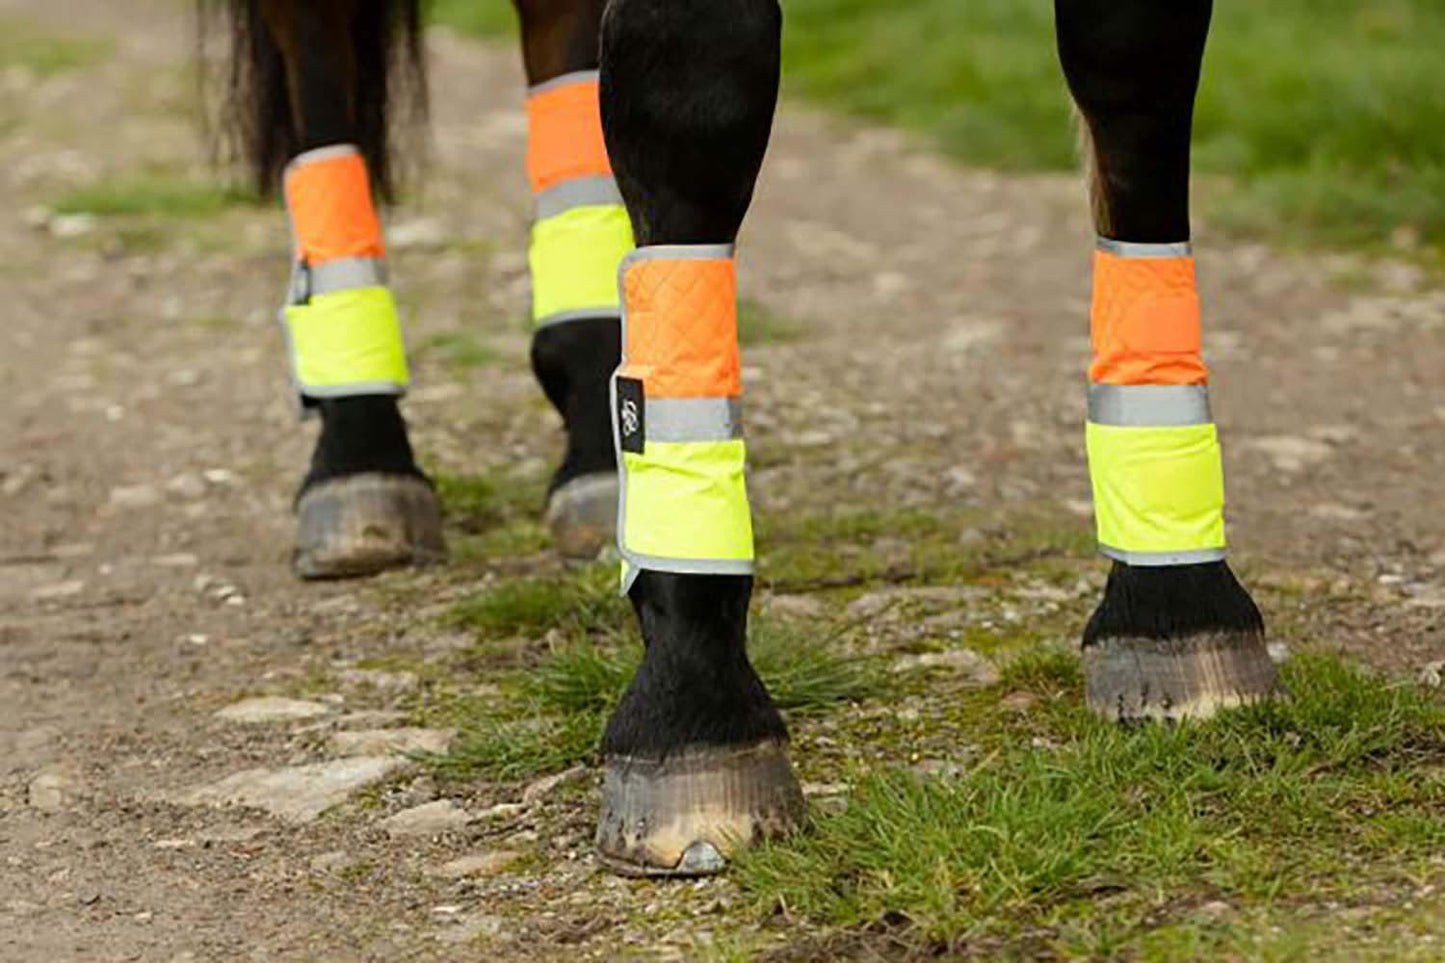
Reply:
x=573, y=362
x=364, y=434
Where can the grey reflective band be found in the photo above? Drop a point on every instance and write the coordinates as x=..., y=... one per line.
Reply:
x=581, y=192
x=1198, y=556
x=678, y=252
x=566, y=80
x=1131, y=249
x=346, y=274
x=329, y=152
x=578, y=314
x=688, y=566
x=355, y=388
x=693, y=419
x=1149, y=406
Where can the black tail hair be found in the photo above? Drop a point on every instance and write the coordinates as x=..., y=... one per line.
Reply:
x=254, y=120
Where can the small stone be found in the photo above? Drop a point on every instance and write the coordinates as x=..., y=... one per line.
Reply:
x=797, y=607
x=967, y=662
x=176, y=560
x=429, y=819
x=392, y=742
x=477, y=864
x=134, y=496
x=1278, y=652
x=297, y=794
x=220, y=477
x=503, y=811
x=543, y=787
x=469, y=929
x=66, y=226
x=58, y=590
x=1020, y=702
x=812, y=789
x=332, y=862
x=271, y=709
x=381, y=681
x=186, y=486
x=1432, y=674
x=53, y=789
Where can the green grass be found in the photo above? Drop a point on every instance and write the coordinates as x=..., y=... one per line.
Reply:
x=44, y=55
x=1076, y=837
x=1323, y=115
x=459, y=350
x=157, y=195
x=556, y=709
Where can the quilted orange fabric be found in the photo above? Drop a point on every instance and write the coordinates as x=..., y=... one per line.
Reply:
x=565, y=135
x=1145, y=322
x=332, y=214
x=682, y=331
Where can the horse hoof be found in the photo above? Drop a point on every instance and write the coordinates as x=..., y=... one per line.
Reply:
x=1174, y=679
x=687, y=814
x=582, y=515
x=364, y=524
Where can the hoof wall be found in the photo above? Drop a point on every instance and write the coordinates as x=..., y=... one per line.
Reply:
x=1174, y=679
x=582, y=516
x=686, y=815
x=364, y=524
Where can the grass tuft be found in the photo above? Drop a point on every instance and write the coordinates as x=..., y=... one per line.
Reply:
x=1099, y=822
x=47, y=56
x=154, y=196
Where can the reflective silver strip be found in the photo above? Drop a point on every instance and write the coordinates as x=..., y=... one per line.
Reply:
x=688, y=566
x=1197, y=556
x=321, y=154
x=355, y=388
x=1149, y=406
x=576, y=77
x=693, y=419
x=347, y=274
x=676, y=252
x=578, y=314
x=581, y=192
x=1130, y=249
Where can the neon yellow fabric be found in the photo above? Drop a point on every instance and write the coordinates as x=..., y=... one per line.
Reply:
x=1157, y=489
x=688, y=500
x=347, y=338
x=574, y=259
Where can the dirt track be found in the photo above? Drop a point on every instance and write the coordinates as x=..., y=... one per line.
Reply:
x=149, y=453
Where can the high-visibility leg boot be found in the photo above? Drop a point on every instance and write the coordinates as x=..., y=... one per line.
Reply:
x=580, y=232
x=579, y=235
x=1176, y=635
x=696, y=759
x=364, y=506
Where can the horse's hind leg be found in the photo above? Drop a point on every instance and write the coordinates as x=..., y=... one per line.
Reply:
x=696, y=760
x=1176, y=635
x=579, y=236
x=364, y=505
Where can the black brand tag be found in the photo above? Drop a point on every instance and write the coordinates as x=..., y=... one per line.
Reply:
x=631, y=428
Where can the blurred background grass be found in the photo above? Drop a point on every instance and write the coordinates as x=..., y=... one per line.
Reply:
x=1324, y=119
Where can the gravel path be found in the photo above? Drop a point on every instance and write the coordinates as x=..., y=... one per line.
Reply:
x=149, y=453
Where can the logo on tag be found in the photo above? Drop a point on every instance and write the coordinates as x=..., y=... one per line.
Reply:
x=631, y=423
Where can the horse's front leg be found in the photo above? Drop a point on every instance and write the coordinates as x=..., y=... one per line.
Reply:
x=696, y=759
x=1176, y=635
x=580, y=233
x=323, y=71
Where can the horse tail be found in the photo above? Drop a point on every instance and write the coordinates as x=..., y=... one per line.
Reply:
x=257, y=117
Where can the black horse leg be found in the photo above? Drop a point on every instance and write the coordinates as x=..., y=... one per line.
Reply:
x=1175, y=635
x=364, y=505
x=580, y=234
x=695, y=755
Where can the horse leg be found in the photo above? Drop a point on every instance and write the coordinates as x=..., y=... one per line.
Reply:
x=579, y=236
x=364, y=506
x=1175, y=635
x=695, y=755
